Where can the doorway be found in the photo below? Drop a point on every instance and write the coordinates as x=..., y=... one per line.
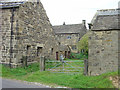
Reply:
x=68, y=54
x=65, y=54
x=39, y=51
x=56, y=55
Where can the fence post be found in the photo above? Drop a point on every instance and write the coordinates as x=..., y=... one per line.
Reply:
x=42, y=63
x=86, y=67
x=24, y=61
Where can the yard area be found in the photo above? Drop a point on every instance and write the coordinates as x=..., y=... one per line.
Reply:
x=78, y=80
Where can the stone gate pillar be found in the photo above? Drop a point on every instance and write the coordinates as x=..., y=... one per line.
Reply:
x=104, y=42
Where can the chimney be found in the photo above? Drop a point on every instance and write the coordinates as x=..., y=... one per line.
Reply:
x=90, y=25
x=38, y=1
x=84, y=22
x=64, y=23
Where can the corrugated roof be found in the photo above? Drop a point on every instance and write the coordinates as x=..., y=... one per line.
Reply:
x=73, y=28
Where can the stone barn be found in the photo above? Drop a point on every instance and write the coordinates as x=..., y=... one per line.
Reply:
x=104, y=42
x=69, y=35
x=26, y=33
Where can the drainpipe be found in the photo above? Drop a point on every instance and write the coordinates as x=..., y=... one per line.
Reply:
x=11, y=34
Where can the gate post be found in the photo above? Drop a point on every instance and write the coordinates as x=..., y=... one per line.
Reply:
x=42, y=63
x=86, y=67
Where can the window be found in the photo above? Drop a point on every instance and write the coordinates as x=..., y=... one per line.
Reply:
x=59, y=43
x=74, y=47
x=51, y=51
x=3, y=47
x=28, y=49
x=69, y=37
x=39, y=50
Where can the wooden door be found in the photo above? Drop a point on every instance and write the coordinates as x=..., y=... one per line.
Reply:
x=56, y=55
x=65, y=54
x=68, y=54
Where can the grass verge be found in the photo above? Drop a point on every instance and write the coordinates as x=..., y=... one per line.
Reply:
x=32, y=74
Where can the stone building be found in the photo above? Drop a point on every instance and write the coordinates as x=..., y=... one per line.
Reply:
x=104, y=42
x=69, y=35
x=26, y=33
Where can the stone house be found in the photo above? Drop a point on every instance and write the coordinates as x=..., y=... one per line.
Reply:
x=26, y=33
x=104, y=42
x=69, y=35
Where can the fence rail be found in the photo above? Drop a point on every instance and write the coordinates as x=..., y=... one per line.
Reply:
x=66, y=66
x=67, y=61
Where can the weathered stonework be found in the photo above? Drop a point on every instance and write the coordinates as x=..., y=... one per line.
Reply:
x=104, y=42
x=32, y=34
x=69, y=35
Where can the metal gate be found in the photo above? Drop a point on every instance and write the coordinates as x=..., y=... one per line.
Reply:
x=65, y=66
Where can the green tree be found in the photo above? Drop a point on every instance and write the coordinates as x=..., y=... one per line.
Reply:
x=82, y=45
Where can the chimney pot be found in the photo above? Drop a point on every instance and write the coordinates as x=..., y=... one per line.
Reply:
x=64, y=23
x=84, y=22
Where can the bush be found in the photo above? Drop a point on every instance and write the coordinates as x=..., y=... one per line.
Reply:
x=78, y=56
x=82, y=45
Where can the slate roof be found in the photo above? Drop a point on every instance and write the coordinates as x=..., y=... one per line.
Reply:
x=106, y=19
x=63, y=48
x=10, y=4
x=73, y=28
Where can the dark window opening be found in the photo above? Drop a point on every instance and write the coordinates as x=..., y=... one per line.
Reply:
x=3, y=47
x=69, y=37
x=59, y=43
x=39, y=50
x=74, y=47
x=51, y=51
x=28, y=48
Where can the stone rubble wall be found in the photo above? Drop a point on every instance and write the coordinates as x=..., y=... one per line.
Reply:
x=70, y=39
x=104, y=51
x=6, y=30
x=31, y=27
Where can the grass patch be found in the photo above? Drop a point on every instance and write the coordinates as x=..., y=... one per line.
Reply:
x=6, y=71
x=32, y=74
x=80, y=56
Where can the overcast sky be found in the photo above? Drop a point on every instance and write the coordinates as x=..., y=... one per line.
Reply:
x=74, y=11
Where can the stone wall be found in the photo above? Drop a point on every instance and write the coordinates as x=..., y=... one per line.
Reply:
x=32, y=35
x=103, y=52
x=104, y=42
x=6, y=33
x=119, y=43
x=68, y=39
x=70, y=35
